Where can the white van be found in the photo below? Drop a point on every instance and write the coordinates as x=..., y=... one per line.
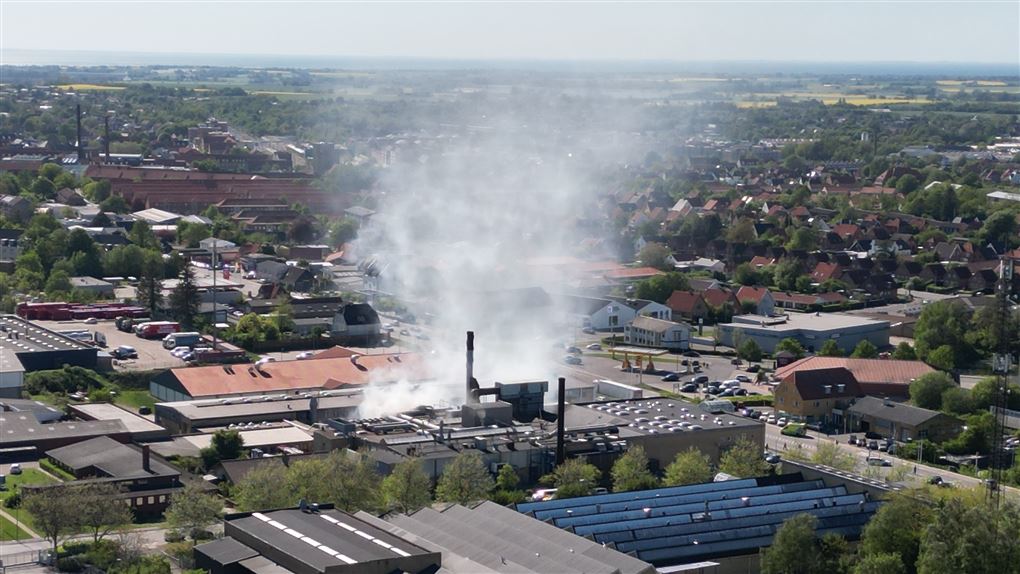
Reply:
x=174, y=340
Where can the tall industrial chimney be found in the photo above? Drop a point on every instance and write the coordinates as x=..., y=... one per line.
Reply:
x=106, y=137
x=79, y=144
x=561, y=415
x=470, y=382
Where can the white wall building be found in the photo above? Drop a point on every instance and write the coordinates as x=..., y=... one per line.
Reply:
x=649, y=332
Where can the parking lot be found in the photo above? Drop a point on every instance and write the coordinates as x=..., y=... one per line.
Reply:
x=151, y=354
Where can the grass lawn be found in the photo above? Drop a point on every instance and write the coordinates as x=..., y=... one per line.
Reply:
x=27, y=476
x=135, y=398
x=10, y=531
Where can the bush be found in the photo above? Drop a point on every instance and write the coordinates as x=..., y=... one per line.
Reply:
x=55, y=470
x=70, y=564
x=173, y=536
x=201, y=534
x=13, y=501
x=74, y=548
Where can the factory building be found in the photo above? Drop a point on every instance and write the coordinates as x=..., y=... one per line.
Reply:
x=27, y=347
x=286, y=377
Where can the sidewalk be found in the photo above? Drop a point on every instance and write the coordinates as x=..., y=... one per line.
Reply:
x=19, y=523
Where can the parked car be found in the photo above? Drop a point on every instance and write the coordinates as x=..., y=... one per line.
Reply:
x=689, y=388
x=594, y=347
x=742, y=378
x=15, y=468
x=573, y=350
x=124, y=352
x=735, y=362
x=588, y=330
x=772, y=458
x=700, y=380
x=304, y=355
x=878, y=462
x=572, y=360
x=144, y=410
x=782, y=422
x=753, y=368
x=726, y=393
x=852, y=439
x=180, y=351
x=872, y=445
x=740, y=392
x=91, y=321
x=671, y=378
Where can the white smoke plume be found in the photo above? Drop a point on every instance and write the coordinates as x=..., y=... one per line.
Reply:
x=456, y=238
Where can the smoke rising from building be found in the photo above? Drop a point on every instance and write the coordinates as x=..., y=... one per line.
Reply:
x=456, y=239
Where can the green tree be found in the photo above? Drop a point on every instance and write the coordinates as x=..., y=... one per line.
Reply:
x=1000, y=227
x=984, y=392
x=343, y=231
x=353, y=481
x=865, y=350
x=785, y=274
x=976, y=438
x=263, y=488
x=189, y=234
x=660, y=287
x=749, y=351
x=830, y=349
x=791, y=345
x=655, y=255
x=904, y=352
x=830, y=454
x=887, y=563
x=688, y=467
x=926, y=390
x=630, y=471
x=907, y=184
x=406, y=489
x=573, y=478
x=192, y=508
x=58, y=283
x=741, y=232
x=896, y=529
x=99, y=512
x=184, y=298
x=465, y=479
x=56, y=512
x=977, y=539
x=794, y=548
x=957, y=401
x=802, y=239
x=942, y=358
x=744, y=460
x=114, y=204
x=150, y=282
x=944, y=323
x=142, y=236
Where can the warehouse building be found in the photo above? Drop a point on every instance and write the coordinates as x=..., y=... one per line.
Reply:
x=309, y=541
x=811, y=330
x=309, y=408
x=878, y=377
x=26, y=347
x=719, y=524
x=488, y=538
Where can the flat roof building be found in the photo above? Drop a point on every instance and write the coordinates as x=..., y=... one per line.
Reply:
x=811, y=330
x=27, y=347
x=900, y=421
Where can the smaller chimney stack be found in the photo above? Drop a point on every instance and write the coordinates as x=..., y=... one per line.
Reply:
x=561, y=415
x=470, y=382
x=145, y=458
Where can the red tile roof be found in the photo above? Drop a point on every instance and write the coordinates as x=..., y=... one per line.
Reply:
x=866, y=371
x=752, y=294
x=825, y=271
x=683, y=301
x=718, y=297
x=810, y=384
x=286, y=376
x=761, y=261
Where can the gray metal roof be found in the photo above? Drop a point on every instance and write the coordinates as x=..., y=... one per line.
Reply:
x=500, y=539
x=901, y=413
x=109, y=456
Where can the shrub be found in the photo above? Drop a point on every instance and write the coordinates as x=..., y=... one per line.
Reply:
x=173, y=536
x=13, y=501
x=70, y=564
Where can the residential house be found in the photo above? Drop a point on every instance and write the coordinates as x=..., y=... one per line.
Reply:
x=901, y=421
x=687, y=305
x=650, y=332
x=802, y=302
x=826, y=271
x=762, y=299
x=879, y=377
x=597, y=313
x=702, y=264
x=717, y=298
x=645, y=308
x=814, y=395
x=357, y=321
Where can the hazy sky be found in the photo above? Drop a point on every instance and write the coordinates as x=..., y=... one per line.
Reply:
x=684, y=31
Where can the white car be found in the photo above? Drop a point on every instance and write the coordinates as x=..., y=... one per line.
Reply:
x=771, y=420
x=179, y=352
x=782, y=422
x=304, y=355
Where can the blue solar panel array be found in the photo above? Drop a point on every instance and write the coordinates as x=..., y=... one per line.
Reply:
x=682, y=524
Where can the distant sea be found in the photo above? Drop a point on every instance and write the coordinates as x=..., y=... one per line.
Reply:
x=96, y=58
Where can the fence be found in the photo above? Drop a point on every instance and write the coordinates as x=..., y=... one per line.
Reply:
x=24, y=559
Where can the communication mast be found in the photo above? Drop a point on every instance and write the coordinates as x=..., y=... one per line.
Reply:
x=1001, y=365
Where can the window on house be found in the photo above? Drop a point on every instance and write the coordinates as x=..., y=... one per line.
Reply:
x=152, y=500
x=139, y=501
x=162, y=498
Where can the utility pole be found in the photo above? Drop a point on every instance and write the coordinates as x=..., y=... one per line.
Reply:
x=215, y=330
x=1001, y=364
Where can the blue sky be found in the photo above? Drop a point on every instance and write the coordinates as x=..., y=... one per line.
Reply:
x=987, y=32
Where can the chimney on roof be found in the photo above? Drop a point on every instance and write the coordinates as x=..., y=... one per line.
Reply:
x=145, y=458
